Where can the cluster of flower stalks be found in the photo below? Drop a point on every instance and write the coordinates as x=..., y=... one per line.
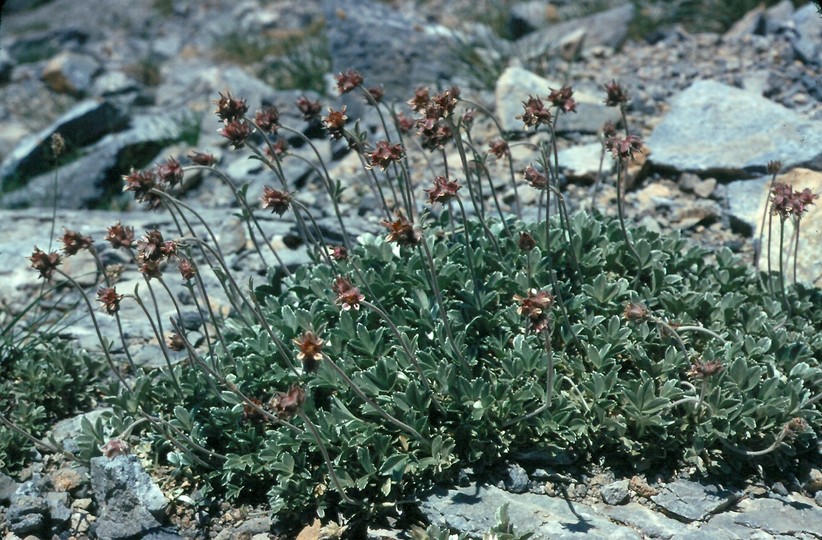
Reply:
x=426, y=217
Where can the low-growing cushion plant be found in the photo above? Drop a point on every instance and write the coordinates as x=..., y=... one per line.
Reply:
x=351, y=385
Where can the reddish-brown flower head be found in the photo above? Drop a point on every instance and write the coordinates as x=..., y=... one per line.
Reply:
x=385, y=154
x=704, y=370
x=774, y=166
x=402, y=231
x=286, y=405
x=150, y=269
x=120, y=236
x=152, y=246
x=45, y=263
x=277, y=149
x=310, y=349
x=309, y=109
x=339, y=253
x=176, y=343
x=420, y=100
x=252, y=412
x=187, y=269
x=535, y=113
x=526, y=242
x=377, y=92
x=170, y=172
x=268, y=119
x=278, y=201
x=348, y=295
x=535, y=178
x=141, y=183
x=635, y=312
x=499, y=148
x=537, y=307
x=563, y=99
x=73, y=242
x=230, y=108
x=443, y=191
x=237, y=132
x=110, y=299
x=404, y=123
x=348, y=81
x=335, y=122
x=616, y=96
x=202, y=158
x=114, y=448
x=623, y=148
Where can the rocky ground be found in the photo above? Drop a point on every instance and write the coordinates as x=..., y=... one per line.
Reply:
x=127, y=84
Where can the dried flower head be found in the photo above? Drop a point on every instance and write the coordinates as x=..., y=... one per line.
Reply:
x=443, y=191
x=120, y=236
x=535, y=178
x=114, y=448
x=537, y=307
x=335, y=123
x=499, y=148
x=526, y=242
x=385, y=154
x=152, y=246
x=229, y=108
x=110, y=299
x=796, y=425
x=252, y=412
x=150, y=269
x=58, y=145
x=774, y=166
x=434, y=133
x=237, y=132
x=404, y=123
x=348, y=295
x=277, y=149
x=635, y=312
x=402, y=231
x=608, y=130
x=535, y=113
x=170, y=172
x=45, y=263
x=616, y=96
x=623, y=148
x=310, y=349
x=348, y=81
x=278, y=201
x=563, y=99
x=73, y=242
x=286, y=405
x=202, y=158
x=267, y=119
x=309, y=109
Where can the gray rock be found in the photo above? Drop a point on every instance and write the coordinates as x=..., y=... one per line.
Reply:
x=818, y=498
x=649, y=523
x=516, y=84
x=71, y=73
x=779, y=16
x=82, y=125
x=66, y=431
x=97, y=174
x=113, y=83
x=604, y=29
x=753, y=23
x=516, y=479
x=581, y=162
x=706, y=132
x=27, y=514
x=615, y=493
x=692, y=501
x=744, y=203
x=808, y=42
x=407, y=51
x=6, y=66
x=793, y=516
x=16, y=6
x=525, y=17
x=812, y=482
x=129, y=501
x=472, y=510
x=59, y=511
x=7, y=488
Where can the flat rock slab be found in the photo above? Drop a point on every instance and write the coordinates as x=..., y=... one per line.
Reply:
x=473, y=509
x=649, y=523
x=691, y=501
x=714, y=129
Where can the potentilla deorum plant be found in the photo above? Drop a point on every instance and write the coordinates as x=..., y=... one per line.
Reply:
x=459, y=336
